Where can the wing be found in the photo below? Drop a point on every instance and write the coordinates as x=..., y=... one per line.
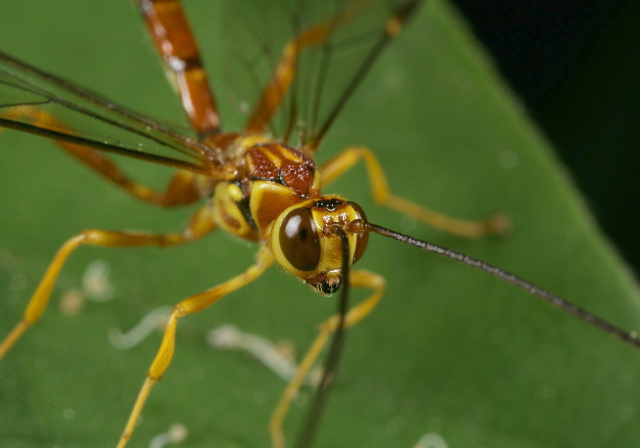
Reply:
x=40, y=103
x=254, y=35
x=326, y=73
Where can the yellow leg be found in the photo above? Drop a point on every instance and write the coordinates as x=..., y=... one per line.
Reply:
x=200, y=224
x=188, y=306
x=182, y=189
x=358, y=279
x=337, y=166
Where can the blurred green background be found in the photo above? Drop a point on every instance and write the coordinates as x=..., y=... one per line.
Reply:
x=448, y=351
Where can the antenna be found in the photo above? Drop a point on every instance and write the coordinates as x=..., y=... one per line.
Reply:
x=630, y=338
x=305, y=439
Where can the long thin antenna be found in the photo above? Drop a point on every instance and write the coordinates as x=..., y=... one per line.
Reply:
x=305, y=440
x=630, y=338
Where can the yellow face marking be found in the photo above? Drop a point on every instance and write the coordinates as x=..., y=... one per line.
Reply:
x=325, y=275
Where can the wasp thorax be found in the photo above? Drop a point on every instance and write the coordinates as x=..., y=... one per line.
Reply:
x=304, y=241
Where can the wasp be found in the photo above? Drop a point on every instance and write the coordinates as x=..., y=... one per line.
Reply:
x=233, y=175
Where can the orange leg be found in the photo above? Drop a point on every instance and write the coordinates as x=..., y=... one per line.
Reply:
x=358, y=279
x=284, y=73
x=337, y=166
x=175, y=42
x=200, y=224
x=182, y=189
x=188, y=306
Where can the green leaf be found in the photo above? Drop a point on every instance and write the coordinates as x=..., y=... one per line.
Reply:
x=449, y=350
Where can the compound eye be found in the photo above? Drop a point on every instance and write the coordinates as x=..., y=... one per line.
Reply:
x=299, y=240
x=363, y=238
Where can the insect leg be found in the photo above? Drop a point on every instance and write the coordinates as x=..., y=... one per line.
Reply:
x=201, y=224
x=358, y=279
x=182, y=189
x=283, y=75
x=188, y=306
x=340, y=164
x=172, y=35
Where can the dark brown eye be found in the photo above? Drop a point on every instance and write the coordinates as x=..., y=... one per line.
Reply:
x=299, y=240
